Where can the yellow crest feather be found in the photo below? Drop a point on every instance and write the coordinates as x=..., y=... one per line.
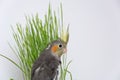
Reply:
x=65, y=34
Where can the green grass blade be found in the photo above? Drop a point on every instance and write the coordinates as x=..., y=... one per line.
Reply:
x=12, y=62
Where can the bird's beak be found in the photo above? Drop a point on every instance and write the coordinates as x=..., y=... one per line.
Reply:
x=65, y=50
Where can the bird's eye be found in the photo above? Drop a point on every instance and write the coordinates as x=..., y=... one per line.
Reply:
x=60, y=45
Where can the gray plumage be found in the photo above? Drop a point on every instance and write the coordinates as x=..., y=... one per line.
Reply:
x=45, y=67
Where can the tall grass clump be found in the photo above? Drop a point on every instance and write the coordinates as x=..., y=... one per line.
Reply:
x=33, y=38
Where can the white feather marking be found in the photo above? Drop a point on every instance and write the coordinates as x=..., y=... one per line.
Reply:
x=48, y=47
x=37, y=70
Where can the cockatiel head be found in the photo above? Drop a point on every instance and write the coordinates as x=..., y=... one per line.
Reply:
x=58, y=47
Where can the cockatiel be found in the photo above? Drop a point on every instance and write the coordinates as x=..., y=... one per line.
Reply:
x=45, y=67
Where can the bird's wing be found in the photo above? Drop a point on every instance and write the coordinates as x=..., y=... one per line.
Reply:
x=38, y=63
x=37, y=68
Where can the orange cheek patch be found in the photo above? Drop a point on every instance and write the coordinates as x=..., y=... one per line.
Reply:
x=54, y=48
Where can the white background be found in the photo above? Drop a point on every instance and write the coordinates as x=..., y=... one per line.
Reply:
x=94, y=45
